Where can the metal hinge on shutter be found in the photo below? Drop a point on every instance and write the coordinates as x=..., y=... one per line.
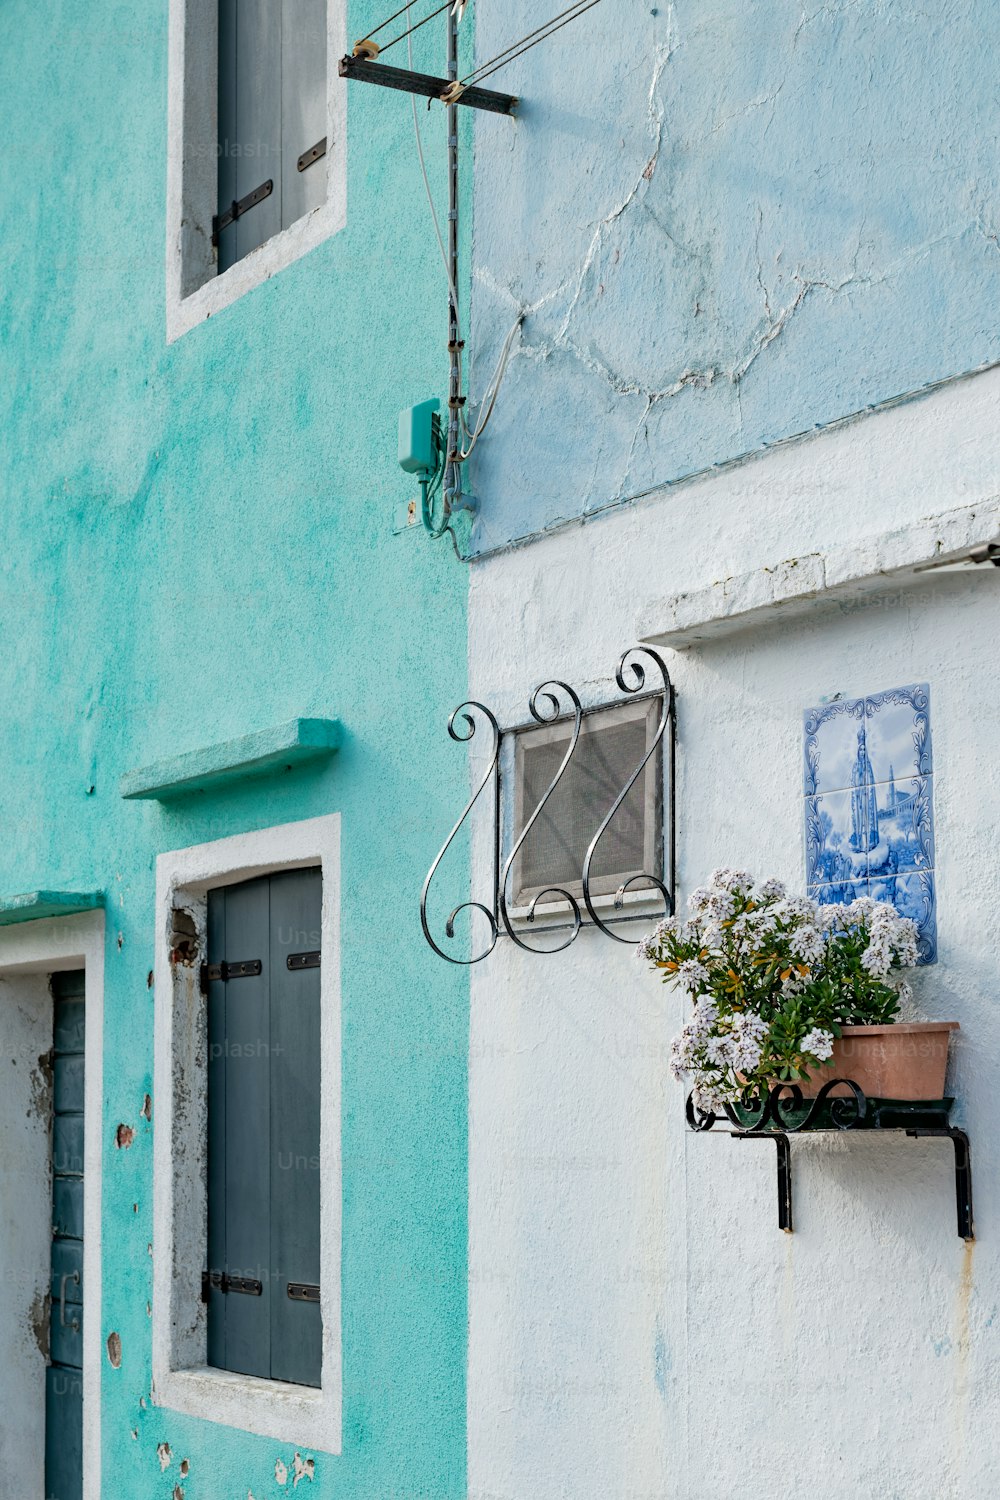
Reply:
x=239, y=207
x=247, y=968
x=223, y=1282
x=303, y=1291
x=313, y=154
x=303, y=960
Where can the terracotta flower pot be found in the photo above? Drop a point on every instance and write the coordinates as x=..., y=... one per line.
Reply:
x=907, y=1060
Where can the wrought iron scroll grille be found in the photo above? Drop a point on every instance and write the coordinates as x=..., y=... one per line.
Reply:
x=641, y=674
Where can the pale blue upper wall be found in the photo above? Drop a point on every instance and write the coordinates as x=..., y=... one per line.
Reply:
x=197, y=543
x=733, y=223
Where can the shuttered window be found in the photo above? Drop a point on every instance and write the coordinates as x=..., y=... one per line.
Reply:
x=272, y=119
x=262, y=1280
x=613, y=742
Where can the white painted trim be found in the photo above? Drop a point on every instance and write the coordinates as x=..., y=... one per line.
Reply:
x=195, y=290
x=844, y=575
x=182, y=1379
x=46, y=947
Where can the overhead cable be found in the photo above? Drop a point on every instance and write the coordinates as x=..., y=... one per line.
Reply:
x=383, y=24
x=415, y=27
x=525, y=44
x=368, y=47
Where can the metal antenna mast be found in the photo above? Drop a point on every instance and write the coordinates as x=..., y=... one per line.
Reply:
x=453, y=476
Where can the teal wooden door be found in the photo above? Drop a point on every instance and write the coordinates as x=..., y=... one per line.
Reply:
x=64, y=1378
x=262, y=1283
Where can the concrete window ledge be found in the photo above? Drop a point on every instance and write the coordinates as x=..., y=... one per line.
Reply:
x=794, y=588
x=259, y=754
x=33, y=906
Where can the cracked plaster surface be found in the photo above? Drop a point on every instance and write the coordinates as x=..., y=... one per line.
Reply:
x=728, y=226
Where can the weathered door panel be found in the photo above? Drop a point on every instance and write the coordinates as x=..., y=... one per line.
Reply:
x=303, y=105
x=263, y=1128
x=64, y=1380
x=296, y=1325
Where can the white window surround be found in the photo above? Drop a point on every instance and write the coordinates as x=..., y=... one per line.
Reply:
x=195, y=290
x=182, y=1379
x=881, y=565
x=29, y=952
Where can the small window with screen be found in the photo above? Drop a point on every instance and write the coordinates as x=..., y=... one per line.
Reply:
x=613, y=742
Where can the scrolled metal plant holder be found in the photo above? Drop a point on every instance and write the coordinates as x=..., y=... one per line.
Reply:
x=546, y=693
x=629, y=664
x=779, y=1108
x=462, y=716
x=783, y=1112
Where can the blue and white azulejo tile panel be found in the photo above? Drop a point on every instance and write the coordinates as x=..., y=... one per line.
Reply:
x=869, y=822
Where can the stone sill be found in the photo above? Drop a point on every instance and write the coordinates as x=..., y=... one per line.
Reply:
x=259, y=754
x=794, y=588
x=33, y=906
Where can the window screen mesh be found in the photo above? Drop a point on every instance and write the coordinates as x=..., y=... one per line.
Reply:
x=610, y=749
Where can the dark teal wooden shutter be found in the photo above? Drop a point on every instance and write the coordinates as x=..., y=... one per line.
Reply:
x=63, y=1378
x=242, y=1218
x=263, y=1124
x=271, y=111
x=217, y=1069
x=303, y=106
x=296, y=1327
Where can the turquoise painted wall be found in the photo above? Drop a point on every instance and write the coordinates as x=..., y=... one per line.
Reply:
x=197, y=543
x=733, y=222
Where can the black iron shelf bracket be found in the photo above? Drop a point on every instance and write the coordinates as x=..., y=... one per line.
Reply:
x=784, y=1171
x=554, y=702
x=963, y=1174
x=426, y=85
x=784, y=1113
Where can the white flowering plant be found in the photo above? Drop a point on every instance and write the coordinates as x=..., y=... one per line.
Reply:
x=773, y=979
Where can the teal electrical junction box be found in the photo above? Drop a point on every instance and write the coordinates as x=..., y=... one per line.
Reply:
x=420, y=437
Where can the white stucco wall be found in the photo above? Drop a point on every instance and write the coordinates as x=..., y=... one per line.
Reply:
x=639, y=1327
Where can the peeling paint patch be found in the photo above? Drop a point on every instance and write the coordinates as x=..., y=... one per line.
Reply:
x=185, y=1467
x=115, y=1350
x=39, y=1318
x=661, y=1360
x=183, y=939
x=124, y=1136
x=178, y=1492
x=147, y=1108
x=280, y=1472
x=164, y=1455
x=305, y=1468
x=41, y=1088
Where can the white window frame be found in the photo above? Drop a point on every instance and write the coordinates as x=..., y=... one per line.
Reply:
x=195, y=289
x=182, y=1378
x=29, y=953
